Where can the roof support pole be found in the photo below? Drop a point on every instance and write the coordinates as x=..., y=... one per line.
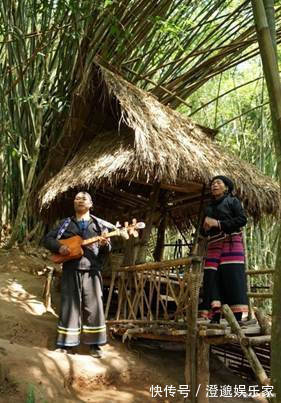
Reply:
x=160, y=241
x=152, y=205
x=195, y=246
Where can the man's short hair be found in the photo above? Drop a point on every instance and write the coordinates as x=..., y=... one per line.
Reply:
x=86, y=194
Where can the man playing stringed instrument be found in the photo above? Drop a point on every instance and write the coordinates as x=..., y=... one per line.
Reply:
x=82, y=311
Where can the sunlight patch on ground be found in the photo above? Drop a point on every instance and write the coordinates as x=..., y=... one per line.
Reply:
x=14, y=292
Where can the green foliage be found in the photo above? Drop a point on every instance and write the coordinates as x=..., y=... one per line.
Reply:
x=242, y=115
x=173, y=48
x=30, y=394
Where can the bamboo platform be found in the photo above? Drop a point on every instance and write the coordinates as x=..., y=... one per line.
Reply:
x=159, y=301
x=217, y=334
x=246, y=350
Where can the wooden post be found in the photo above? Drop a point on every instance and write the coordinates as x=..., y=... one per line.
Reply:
x=203, y=370
x=159, y=247
x=199, y=222
x=47, y=289
x=152, y=204
x=248, y=351
x=191, y=339
x=130, y=252
x=263, y=322
x=248, y=279
x=113, y=275
x=160, y=241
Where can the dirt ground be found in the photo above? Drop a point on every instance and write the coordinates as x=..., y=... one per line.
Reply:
x=30, y=370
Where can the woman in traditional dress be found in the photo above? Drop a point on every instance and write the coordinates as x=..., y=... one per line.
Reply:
x=224, y=269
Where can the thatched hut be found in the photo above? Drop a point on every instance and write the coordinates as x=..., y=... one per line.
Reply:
x=147, y=157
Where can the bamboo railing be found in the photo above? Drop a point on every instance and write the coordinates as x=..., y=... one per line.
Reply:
x=144, y=293
x=145, y=290
x=254, y=273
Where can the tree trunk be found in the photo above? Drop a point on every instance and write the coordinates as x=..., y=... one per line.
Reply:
x=266, y=33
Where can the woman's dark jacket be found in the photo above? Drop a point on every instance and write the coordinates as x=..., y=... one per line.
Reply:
x=94, y=255
x=229, y=211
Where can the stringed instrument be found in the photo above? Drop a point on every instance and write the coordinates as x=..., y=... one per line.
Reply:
x=75, y=243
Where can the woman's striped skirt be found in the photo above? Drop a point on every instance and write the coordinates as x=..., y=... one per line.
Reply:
x=224, y=275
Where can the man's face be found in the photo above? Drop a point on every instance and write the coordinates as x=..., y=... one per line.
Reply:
x=82, y=202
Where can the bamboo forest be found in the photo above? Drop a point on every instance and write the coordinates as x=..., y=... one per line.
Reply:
x=140, y=174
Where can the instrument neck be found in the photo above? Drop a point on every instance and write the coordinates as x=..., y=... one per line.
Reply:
x=97, y=238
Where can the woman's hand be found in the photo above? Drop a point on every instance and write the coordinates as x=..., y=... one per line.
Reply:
x=210, y=223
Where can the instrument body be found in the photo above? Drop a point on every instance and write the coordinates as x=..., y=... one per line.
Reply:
x=75, y=243
x=75, y=246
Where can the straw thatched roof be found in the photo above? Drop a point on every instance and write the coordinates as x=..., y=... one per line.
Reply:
x=153, y=143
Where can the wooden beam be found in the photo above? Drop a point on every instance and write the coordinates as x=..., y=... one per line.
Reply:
x=122, y=194
x=258, y=272
x=185, y=188
x=146, y=322
x=178, y=187
x=226, y=339
x=264, y=322
x=248, y=351
x=259, y=294
x=166, y=264
x=150, y=336
x=256, y=340
x=193, y=199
